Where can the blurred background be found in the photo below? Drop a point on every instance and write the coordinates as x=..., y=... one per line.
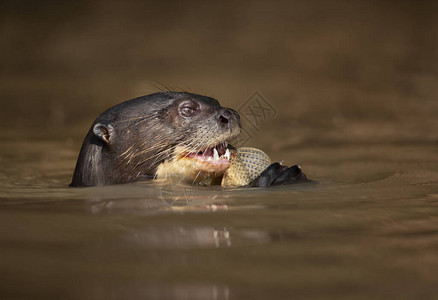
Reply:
x=355, y=88
x=336, y=71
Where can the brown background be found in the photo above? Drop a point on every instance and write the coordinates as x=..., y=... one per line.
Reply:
x=336, y=71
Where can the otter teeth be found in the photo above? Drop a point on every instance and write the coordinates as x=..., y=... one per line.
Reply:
x=227, y=154
x=215, y=154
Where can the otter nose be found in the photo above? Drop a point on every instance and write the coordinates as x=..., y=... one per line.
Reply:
x=223, y=119
x=225, y=116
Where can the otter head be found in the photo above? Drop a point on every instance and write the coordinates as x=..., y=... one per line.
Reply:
x=158, y=135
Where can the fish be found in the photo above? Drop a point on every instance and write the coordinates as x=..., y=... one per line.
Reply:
x=246, y=164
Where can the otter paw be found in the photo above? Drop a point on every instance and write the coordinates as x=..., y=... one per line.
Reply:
x=277, y=174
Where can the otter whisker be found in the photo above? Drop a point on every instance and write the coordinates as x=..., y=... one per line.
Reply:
x=196, y=146
x=150, y=157
x=135, y=118
x=149, y=149
x=165, y=153
x=197, y=175
x=158, y=87
x=126, y=151
x=167, y=88
x=130, y=158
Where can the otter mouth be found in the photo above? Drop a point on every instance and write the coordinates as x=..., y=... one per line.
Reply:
x=218, y=154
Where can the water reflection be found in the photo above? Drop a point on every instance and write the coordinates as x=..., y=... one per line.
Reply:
x=164, y=291
x=187, y=237
x=164, y=198
x=155, y=197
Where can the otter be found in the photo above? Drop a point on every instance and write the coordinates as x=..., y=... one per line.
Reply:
x=166, y=134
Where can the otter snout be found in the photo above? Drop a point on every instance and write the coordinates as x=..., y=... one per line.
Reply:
x=227, y=116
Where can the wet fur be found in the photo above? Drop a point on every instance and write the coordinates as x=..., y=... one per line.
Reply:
x=146, y=132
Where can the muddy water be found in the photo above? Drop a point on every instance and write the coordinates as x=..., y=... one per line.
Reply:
x=367, y=229
x=352, y=96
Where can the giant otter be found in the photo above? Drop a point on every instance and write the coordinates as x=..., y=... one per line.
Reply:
x=163, y=134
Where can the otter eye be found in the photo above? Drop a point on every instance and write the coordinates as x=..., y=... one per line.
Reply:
x=188, y=109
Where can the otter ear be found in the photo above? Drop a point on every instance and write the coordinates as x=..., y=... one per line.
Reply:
x=104, y=132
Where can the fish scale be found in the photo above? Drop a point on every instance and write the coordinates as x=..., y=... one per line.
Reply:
x=245, y=166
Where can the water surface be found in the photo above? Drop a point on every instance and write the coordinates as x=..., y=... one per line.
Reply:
x=367, y=229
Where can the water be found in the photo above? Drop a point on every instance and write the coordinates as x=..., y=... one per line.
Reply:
x=354, y=89
x=367, y=229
